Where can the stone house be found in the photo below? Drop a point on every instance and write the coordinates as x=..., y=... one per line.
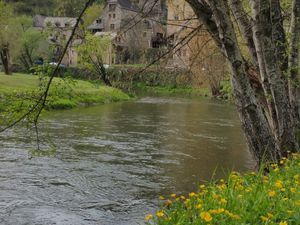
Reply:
x=193, y=51
x=133, y=32
x=59, y=30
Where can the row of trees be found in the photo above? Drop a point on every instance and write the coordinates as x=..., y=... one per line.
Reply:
x=70, y=8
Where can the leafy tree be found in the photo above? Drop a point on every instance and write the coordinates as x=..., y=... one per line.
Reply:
x=269, y=113
x=94, y=52
x=32, y=7
x=32, y=43
x=68, y=8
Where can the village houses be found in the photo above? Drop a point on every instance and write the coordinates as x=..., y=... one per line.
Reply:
x=59, y=30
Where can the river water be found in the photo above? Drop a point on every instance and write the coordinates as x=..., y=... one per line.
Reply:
x=114, y=160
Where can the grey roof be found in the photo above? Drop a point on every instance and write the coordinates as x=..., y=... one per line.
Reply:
x=96, y=26
x=125, y=4
x=43, y=21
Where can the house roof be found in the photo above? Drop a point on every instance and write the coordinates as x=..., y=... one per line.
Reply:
x=43, y=21
x=96, y=26
x=126, y=4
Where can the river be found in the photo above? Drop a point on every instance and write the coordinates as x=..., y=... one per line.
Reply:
x=114, y=161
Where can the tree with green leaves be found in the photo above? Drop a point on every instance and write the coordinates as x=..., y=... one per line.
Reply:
x=94, y=53
x=32, y=43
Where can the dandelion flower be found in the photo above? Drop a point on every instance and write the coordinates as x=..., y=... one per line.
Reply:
x=206, y=216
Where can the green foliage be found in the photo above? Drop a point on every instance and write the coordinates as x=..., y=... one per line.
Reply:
x=32, y=7
x=226, y=89
x=244, y=199
x=94, y=50
x=172, y=91
x=19, y=93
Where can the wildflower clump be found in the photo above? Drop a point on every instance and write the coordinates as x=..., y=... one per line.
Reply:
x=254, y=198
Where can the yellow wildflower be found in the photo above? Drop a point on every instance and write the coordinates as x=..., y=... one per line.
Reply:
x=206, y=216
x=192, y=194
x=264, y=218
x=223, y=200
x=148, y=217
x=283, y=223
x=161, y=197
x=272, y=193
x=168, y=202
x=173, y=195
x=199, y=206
x=298, y=203
x=160, y=214
x=278, y=184
x=202, y=186
x=293, y=190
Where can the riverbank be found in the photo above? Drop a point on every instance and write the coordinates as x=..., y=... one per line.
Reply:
x=64, y=93
x=172, y=91
x=244, y=199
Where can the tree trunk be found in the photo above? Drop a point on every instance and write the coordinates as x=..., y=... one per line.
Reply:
x=246, y=30
x=294, y=89
x=269, y=60
x=255, y=125
x=5, y=58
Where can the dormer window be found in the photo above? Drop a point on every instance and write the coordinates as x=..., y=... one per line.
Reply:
x=112, y=7
x=98, y=21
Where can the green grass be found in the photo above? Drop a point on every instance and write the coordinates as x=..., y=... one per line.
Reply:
x=64, y=94
x=173, y=91
x=250, y=199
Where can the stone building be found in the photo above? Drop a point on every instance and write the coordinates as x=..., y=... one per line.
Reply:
x=135, y=25
x=191, y=46
x=181, y=21
x=59, y=30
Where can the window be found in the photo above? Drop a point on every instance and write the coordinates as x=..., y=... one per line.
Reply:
x=57, y=24
x=145, y=34
x=114, y=16
x=98, y=21
x=112, y=27
x=109, y=15
x=112, y=7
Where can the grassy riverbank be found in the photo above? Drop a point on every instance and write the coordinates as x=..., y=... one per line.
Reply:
x=172, y=91
x=243, y=199
x=64, y=93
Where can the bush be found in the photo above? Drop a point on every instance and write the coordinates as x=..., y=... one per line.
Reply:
x=252, y=199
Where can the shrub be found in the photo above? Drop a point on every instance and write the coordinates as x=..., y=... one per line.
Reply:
x=252, y=199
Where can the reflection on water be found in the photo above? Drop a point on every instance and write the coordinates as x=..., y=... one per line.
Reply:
x=113, y=161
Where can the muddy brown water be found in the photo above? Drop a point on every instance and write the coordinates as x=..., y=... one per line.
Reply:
x=114, y=160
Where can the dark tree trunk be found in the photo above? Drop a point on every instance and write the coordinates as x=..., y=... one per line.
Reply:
x=294, y=89
x=5, y=58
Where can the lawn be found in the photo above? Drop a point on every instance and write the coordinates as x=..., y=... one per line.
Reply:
x=64, y=93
